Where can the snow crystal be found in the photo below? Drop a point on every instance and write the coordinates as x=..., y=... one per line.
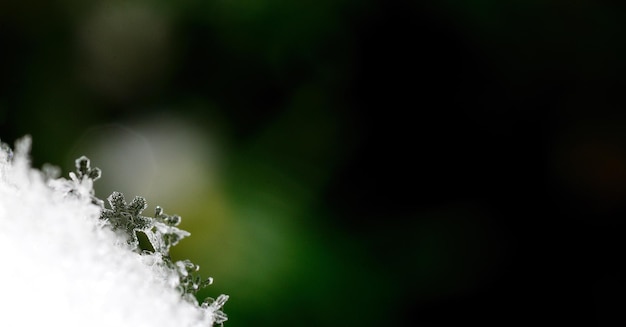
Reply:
x=61, y=268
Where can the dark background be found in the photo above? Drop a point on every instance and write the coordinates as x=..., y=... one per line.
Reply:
x=436, y=163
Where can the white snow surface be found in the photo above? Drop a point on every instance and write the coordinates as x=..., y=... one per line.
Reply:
x=61, y=268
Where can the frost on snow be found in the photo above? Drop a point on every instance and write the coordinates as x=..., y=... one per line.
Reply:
x=69, y=261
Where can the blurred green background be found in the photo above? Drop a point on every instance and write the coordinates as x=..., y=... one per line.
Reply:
x=349, y=163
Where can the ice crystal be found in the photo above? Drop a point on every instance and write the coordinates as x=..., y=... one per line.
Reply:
x=98, y=266
x=213, y=306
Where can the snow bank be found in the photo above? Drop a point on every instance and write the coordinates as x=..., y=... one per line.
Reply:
x=62, y=266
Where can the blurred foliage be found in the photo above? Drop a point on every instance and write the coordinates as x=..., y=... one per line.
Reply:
x=348, y=162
